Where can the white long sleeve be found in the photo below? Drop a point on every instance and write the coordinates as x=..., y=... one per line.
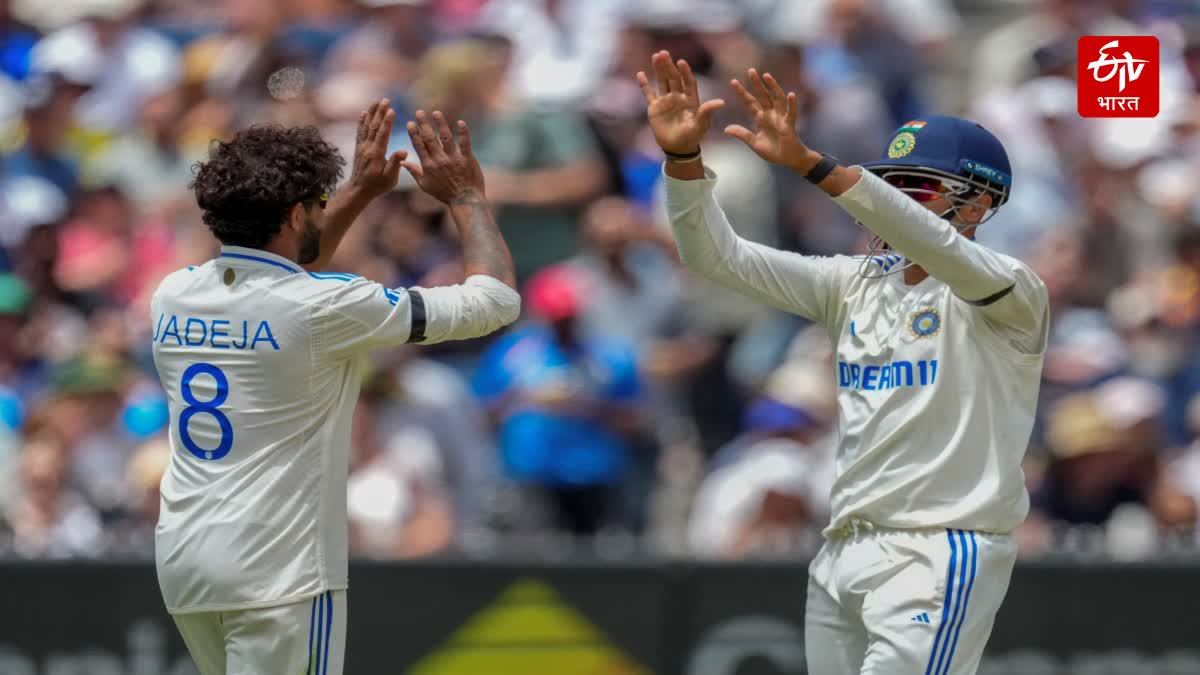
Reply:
x=804, y=285
x=478, y=306
x=1004, y=289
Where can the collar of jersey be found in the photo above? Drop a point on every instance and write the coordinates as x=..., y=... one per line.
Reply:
x=260, y=257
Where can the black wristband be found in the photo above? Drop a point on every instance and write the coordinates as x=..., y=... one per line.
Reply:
x=684, y=157
x=822, y=169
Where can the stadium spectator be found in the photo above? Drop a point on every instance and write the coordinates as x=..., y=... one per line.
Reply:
x=50, y=99
x=561, y=48
x=567, y=405
x=542, y=163
x=388, y=46
x=132, y=532
x=769, y=488
x=131, y=62
x=104, y=105
x=48, y=519
x=1106, y=447
x=396, y=495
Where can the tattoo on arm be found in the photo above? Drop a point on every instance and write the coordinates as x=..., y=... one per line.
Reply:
x=484, y=248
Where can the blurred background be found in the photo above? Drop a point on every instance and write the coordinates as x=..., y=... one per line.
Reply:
x=635, y=412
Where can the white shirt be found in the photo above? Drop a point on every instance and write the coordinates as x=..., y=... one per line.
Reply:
x=558, y=58
x=937, y=382
x=262, y=364
x=730, y=497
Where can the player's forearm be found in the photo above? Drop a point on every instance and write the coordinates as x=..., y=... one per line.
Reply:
x=484, y=249
x=343, y=209
x=971, y=271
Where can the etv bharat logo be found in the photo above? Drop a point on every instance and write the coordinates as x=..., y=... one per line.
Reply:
x=1118, y=76
x=1130, y=68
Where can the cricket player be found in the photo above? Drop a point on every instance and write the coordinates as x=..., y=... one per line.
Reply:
x=939, y=345
x=262, y=357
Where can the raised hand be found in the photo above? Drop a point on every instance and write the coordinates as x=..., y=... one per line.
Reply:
x=448, y=169
x=774, y=137
x=677, y=117
x=373, y=172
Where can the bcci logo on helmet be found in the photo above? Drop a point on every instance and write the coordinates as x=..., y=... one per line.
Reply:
x=1118, y=76
x=901, y=145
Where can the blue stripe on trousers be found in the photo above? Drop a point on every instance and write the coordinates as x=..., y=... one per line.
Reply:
x=966, y=601
x=945, y=603
x=962, y=585
x=312, y=621
x=320, y=626
x=328, y=630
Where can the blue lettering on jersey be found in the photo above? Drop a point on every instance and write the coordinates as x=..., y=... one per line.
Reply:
x=887, y=376
x=869, y=375
x=218, y=332
x=197, y=331
x=264, y=326
x=187, y=332
x=245, y=337
x=172, y=330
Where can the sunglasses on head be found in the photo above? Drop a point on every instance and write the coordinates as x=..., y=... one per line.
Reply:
x=321, y=201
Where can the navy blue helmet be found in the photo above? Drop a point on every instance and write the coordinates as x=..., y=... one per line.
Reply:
x=940, y=156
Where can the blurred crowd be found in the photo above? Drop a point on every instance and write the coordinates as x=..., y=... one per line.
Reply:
x=633, y=405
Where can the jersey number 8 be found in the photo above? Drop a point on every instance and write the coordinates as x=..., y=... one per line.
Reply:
x=195, y=407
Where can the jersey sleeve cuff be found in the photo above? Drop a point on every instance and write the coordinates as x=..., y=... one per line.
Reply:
x=682, y=194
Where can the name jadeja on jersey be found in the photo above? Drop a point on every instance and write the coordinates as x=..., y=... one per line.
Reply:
x=215, y=333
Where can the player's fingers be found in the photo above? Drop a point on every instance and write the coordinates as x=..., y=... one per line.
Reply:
x=373, y=120
x=361, y=134
x=740, y=132
x=709, y=107
x=759, y=90
x=647, y=90
x=676, y=80
x=428, y=136
x=393, y=163
x=793, y=110
x=444, y=134
x=418, y=143
x=746, y=96
x=384, y=133
x=778, y=98
x=688, y=80
x=464, y=139
x=662, y=72
x=413, y=168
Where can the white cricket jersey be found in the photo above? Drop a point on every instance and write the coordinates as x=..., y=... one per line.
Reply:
x=262, y=363
x=937, y=382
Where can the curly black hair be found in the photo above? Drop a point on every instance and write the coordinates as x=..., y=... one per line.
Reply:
x=247, y=185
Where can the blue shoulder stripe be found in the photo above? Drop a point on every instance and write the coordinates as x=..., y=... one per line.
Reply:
x=343, y=276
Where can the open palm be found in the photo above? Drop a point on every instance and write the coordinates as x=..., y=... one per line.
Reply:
x=774, y=137
x=677, y=117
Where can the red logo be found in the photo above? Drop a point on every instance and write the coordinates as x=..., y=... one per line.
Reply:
x=1118, y=76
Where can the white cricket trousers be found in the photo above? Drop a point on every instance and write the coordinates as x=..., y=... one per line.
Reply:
x=904, y=602
x=306, y=637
